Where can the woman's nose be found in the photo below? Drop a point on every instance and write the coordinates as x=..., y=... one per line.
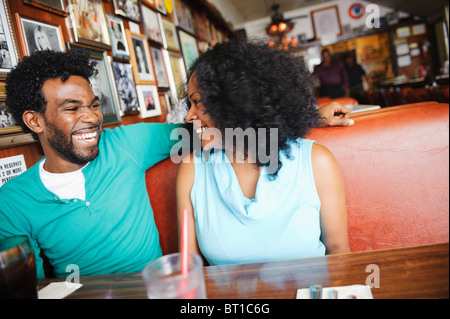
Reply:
x=191, y=115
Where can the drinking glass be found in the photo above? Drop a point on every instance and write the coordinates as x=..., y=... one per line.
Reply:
x=18, y=278
x=164, y=280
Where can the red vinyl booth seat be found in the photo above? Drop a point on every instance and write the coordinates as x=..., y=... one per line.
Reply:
x=395, y=163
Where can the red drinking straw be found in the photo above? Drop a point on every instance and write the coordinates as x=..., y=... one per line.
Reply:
x=184, y=243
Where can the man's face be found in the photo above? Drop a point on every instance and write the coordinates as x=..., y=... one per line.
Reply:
x=72, y=122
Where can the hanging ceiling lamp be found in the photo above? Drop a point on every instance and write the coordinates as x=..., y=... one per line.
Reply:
x=279, y=26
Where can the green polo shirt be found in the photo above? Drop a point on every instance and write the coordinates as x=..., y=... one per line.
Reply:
x=113, y=229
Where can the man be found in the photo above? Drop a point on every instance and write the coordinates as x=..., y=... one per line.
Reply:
x=86, y=202
x=332, y=76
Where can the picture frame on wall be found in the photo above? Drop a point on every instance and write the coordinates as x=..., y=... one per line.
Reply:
x=9, y=49
x=89, y=23
x=189, y=48
x=152, y=24
x=103, y=83
x=170, y=39
x=119, y=44
x=128, y=9
x=178, y=73
x=126, y=88
x=148, y=100
x=38, y=36
x=140, y=57
x=326, y=22
x=160, y=70
x=160, y=6
x=54, y=6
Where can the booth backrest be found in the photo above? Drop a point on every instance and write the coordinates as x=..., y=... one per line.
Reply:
x=395, y=163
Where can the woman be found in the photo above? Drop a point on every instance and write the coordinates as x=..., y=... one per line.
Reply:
x=242, y=205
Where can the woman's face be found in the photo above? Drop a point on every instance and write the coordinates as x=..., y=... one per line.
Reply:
x=203, y=125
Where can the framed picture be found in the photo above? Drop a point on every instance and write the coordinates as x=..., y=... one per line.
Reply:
x=189, y=48
x=178, y=73
x=160, y=69
x=326, y=22
x=119, y=43
x=141, y=59
x=38, y=36
x=183, y=16
x=151, y=3
x=164, y=102
x=55, y=6
x=8, y=51
x=148, y=100
x=152, y=24
x=89, y=23
x=128, y=9
x=170, y=40
x=126, y=88
x=102, y=84
x=160, y=6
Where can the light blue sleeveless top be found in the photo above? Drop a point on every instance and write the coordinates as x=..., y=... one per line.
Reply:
x=281, y=222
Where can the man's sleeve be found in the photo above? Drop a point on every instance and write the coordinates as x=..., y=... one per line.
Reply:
x=12, y=225
x=148, y=143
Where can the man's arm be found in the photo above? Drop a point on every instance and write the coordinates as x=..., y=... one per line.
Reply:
x=335, y=114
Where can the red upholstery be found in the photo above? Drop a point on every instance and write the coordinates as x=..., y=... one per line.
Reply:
x=160, y=181
x=395, y=163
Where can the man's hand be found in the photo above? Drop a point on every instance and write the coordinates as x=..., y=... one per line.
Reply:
x=335, y=114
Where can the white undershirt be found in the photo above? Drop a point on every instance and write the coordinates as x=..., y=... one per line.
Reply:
x=65, y=185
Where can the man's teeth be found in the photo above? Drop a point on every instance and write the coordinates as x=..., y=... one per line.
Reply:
x=201, y=129
x=85, y=136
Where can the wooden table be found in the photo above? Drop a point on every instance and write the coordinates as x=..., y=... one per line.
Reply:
x=412, y=272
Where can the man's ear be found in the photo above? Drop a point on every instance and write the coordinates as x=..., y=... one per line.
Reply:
x=34, y=121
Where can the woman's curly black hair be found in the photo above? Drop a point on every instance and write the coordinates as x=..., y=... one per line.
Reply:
x=246, y=84
x=24, y=83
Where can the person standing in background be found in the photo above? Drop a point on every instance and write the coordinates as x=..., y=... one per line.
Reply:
x=332, y=76
x=355, y=77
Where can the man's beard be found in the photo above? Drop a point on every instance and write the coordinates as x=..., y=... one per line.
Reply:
x=59, y=141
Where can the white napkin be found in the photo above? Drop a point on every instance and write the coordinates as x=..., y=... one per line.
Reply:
x=58, y=290
x=360, y=291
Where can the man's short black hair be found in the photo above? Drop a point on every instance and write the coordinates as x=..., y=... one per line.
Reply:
x=24, y=83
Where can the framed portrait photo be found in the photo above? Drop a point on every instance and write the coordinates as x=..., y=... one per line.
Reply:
x=170, y=40
x=159, y=67
x=152, y=24
x=38, y=36
x=102, y=84
x=126, y=88
x=326, y=22
x=89, y=23
x=9, y=54
x=119, y=43
x=140, y=58
x=148, y=100
x=54, y=6
x=128, y=9
x=189, y=48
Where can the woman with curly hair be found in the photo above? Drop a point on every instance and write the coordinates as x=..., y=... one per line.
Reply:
x=244, y=206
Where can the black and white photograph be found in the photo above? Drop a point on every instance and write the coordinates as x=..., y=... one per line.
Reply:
x=119, y=43
x=152, y=24
x=148, y=100
x=126, y=88
x=141, y=59
x=102, y=84
x=57, y=4
x=160, y=69
x=40, y=36
x=8, y=48
x=128, y=9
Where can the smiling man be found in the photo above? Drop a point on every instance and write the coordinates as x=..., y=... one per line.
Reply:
x=85, y=202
